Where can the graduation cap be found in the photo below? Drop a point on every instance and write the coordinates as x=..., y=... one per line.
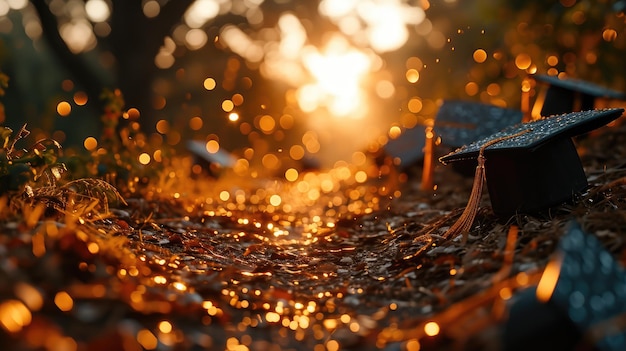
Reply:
x=582, y=292
x=408, y=147
x=459, y=123
x=532, y=166
x=208, y=160
x=568, y=95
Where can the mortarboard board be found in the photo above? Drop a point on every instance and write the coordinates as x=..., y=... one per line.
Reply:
x=539, y=168
x=568, y=95
x=582, y=292
x=219, y=159
x=408, y=147
x=459, y=123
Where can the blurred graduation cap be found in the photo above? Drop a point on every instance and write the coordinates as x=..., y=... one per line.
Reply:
x=540, y=167
x=569, y=95
x=581, y=298
x=458, y=123
x=209, y=161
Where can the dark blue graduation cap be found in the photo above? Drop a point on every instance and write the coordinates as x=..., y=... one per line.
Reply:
x=211, y=162
x=581, y=297
x=568, y=95
x=457, y=123
x=540, y=167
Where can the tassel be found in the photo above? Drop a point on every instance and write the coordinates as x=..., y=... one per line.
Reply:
x=465, y=221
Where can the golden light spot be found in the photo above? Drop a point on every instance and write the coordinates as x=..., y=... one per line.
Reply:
x=237, y=99
x=272, y=317
x=267, y=124
x=431, y=328
x=195, y=123
x=93, y=248
x=151, y=8
x=505, y=293
x=165, y=327
x=296, y=152
x=360, y=177
x=286, y=121
x=291, y=174
x=159, y=102
x=412, y=75
x=270, y=161
x=523, y=61
x=480, y=55
x=609, y=34
x=548, y=280
x=212, y=146
x=414, y=62
x=179, y=286
x=332, y=345
x=493, y=89
x=471, y=88
x=64, y=108
x=159, y=279
x=522, y=278
x=163, y=126
x=144, y=158
x=209, y=84
x=453, y=271
x=63, y=301
x=552, y=60
x=30, y=295
x=394, y=132
x=413, y=345
x=146, y=339
x=90, y=143
x=80, y=98
x=14, y=316
x=227, y=105
x=415, y=105
x=233, y=116
x=275, y=200
x=224, y=195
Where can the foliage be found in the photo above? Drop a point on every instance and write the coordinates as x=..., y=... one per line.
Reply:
x=19, y=167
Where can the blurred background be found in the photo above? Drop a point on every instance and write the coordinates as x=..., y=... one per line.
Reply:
x=279, y=81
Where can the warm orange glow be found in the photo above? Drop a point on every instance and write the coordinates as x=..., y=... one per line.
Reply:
x=209, y=84
x=64, y=108
x=14, y=316
x=412, y=75
x=144, y=158
x=415, y=105
x=196, y=123
x=480, y=55
x=80, y=98
x=165, y=327
x=212, y=146
x=146, y=339
x=609, y=34
x=523, y=61
x=227, y=105
x=63, y=301
x=431, y=329
x=90, y=143
x=471, y=88
x=548, y=280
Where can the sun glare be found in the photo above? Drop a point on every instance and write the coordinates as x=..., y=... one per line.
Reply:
x=337, y=72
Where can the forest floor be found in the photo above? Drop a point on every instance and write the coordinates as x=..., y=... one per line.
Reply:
x=178, y=273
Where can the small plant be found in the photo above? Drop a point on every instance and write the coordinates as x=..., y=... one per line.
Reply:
x=22, y=167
